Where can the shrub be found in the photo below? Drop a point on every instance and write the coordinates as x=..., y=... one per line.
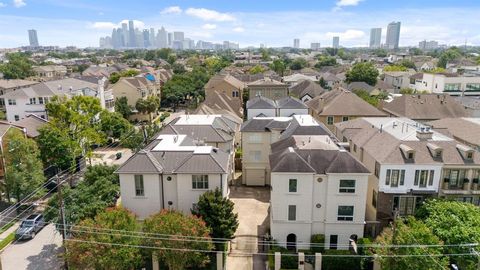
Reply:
x=340, y=263
x=319, y=241
x=287, y=262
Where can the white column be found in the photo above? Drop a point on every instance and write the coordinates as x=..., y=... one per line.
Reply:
x=219, y=260
x=155, y=265
x=318, y=261
x=278, y=261
x=301, y=261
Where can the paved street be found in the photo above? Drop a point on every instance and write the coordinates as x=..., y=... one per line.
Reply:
x=251, y=204
x=40, y=253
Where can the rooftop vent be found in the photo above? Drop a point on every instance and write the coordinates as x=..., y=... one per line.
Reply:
x=424, y=134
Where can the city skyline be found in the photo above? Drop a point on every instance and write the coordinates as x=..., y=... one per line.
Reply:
x=82, y=23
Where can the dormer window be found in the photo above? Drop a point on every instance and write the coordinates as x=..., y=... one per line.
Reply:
x=466, y=151
x=435, y=150
x=407, y=151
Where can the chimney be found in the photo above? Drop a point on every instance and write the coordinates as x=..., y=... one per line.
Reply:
x=424, y=134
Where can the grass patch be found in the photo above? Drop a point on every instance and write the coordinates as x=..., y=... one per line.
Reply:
x=7, y=240
x=7, y=226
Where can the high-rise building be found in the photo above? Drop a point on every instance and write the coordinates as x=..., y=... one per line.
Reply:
x=32, y=38
x=124, y=35
x=132, y=39
x=151, y=38
x=162, y=38
x=375, y=38
x=178, y=36
x=170, y=40
x=428, y=45
x=315, y=46
x=393, y=35
x=296, y=43
x=146, y=38
x=336, y=42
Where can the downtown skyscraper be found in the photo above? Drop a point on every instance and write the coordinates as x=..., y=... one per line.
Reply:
x=32, y=38
x=375, y=38
x=393, y=36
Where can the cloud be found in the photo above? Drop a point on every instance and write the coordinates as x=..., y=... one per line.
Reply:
x=2, y=4
x=136, y=24
x=171, y=10
x=344, y=3
x=350, y=34
x=209, y=15
x=103, y=25
x=209, y=26
x=19, y=3
x=239, y=29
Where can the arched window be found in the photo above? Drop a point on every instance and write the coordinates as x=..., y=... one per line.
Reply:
x=292, y=242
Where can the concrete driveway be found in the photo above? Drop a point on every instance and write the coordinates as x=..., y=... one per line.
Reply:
x=40, y=253
x=251, y=204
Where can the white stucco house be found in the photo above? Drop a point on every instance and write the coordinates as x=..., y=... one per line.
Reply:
x=317, y=188
x=449, y=83
x=171, y=173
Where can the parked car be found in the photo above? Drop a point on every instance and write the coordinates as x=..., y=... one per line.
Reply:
x=30, y=227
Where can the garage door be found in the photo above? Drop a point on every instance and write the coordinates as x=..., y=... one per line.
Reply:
x=255, y=177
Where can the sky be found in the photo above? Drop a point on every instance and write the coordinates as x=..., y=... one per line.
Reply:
x=249, y=22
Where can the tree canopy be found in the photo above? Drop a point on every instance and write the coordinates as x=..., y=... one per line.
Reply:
x=410, y=232
x=176, y=224
x=24, y=169
x=217, y=212
x=84, y=255
x=184, y=86
x=324, y=61
x=257, y=69
x=122, y=107
x=278, y=66
x=18, y=67
x=298, y=63
x=363, y=72
x=115, y=76
x=451, y=54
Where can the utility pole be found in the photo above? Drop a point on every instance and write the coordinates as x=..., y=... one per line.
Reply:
x=62, y=215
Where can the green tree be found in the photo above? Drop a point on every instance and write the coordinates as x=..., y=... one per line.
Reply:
x=363, y=72
x=24, y=169
x=76, y=123
x=114, y=77
x=84, y=255
x=324, y=61
x=114, y=125
x=171, y=59
x=217, y=212
x=410, y=232
x=380, y=52
x=256, y=69
x=122, y=107
x=394, y=68
x=178, y=68
x=18, y=67
x=449, y=55
x=99, y=190
x=298, y=64
x=455, y=223
x=407, y=64
x=363, y=94
x=265, y=54
x=150, y=55
x=169, y=222
x=278, y=66
x=163, y=53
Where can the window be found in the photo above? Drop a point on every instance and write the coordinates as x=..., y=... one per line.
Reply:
x=12, y=102
x=452, y=87
x=472, y=87
x=333, y=241
x=255, y=155
x=199, y=181
x=377, y=169
x=411, y=155
x=374, y=198
x=347, y=186
x=139, y=188
x=406, y=205
x=40, y=100
x=344, y=118
x=33, y=101
x=2, y=102
x=255, y=138
x=422, y=177
x=292, y=185
x=455, y=178
x=330, y=120
x=235, y=93
x=345, y=213
x=355, y=148
x=292, y=212
x=17, y=117
x=395, y=178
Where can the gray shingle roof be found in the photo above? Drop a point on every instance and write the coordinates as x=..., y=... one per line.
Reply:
x=290, y=103
x=260, y=102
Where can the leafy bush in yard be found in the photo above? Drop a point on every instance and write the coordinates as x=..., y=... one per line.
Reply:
x=288, y=262
x=340, y=263
x=319, y=241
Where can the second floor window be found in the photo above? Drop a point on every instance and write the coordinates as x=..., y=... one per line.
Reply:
x=235, y=93
x=40, y=100
x=33, y=101
x=292, y=185
x=330, y=120
x=199, y=181
x=454, y=178
x=255, y=138
x=292, y=212
x=255, y=155
x=345, y=213
x=395, y=178
x=139, y=188
x=422, y=177
x=12, y=102
x=347, y=186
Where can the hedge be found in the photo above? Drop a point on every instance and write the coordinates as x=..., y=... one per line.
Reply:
x=319, y=240
x=340, y=263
